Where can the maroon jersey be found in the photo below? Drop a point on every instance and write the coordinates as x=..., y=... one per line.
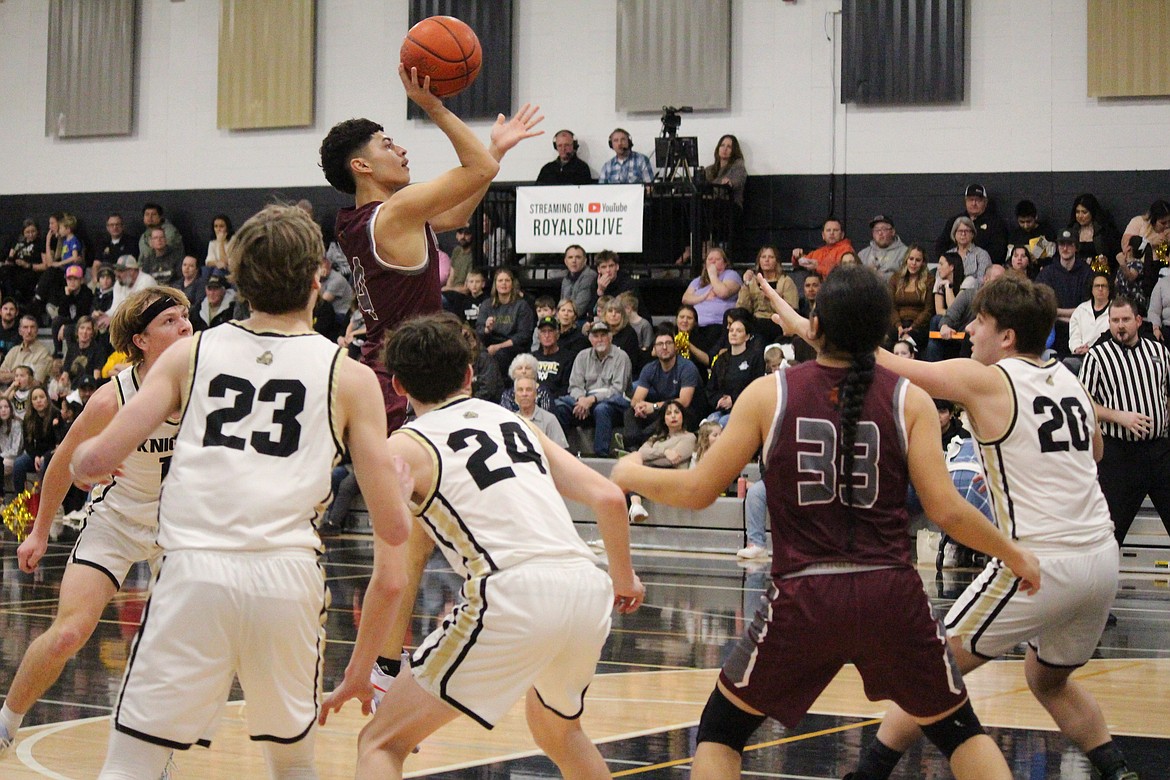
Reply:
x=811, y=523
x=387, y=295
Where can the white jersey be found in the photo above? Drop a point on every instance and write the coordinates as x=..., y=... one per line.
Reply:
x=256, y=444
x=1041, y=472
x=134, y=493
x=493, y=503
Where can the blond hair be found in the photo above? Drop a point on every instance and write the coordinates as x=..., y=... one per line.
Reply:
x=124, y=325
x=706, y=428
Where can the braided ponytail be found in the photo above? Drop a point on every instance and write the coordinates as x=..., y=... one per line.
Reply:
x=852, y=392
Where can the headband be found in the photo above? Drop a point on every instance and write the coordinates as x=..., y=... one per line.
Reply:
x=153, y=310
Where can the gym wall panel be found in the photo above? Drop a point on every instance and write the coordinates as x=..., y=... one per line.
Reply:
x=1129, y=48
x=267, y=52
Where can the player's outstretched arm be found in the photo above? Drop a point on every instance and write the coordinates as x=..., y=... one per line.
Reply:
x=943, y=504
x=964, y=380
x=98, y=412
x=578, y=482
x=698, y=487
x=787, y=317
x=160, y=397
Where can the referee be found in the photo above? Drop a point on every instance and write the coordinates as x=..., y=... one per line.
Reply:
x=1129, y=377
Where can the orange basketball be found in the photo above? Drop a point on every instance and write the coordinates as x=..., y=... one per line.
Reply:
x=445, y=49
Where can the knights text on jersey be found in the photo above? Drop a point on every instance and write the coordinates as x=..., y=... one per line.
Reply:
x=387, y=295
x=1041, y=472
x=256, y=444
x=134, y=493
x=494, y=503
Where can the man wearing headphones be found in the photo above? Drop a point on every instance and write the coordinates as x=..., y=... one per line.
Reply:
x=568, y=168
x=626, y=166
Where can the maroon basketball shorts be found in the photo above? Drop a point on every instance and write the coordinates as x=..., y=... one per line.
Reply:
x=810, y=625
x=395, y=403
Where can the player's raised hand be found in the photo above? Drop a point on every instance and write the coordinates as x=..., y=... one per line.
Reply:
x=418, y=90
x=506, y=133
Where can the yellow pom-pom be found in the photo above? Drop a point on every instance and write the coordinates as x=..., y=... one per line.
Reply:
x=18, y=515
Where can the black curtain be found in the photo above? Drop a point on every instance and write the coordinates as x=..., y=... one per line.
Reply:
x=903, y=51
x=491, y=93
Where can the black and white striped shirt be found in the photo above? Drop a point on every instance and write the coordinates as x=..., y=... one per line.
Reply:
x=1129, y=379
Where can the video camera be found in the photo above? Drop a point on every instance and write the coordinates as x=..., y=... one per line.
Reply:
x=671, y=120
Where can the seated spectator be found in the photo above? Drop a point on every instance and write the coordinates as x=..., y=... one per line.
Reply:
x=9, y=326
x=745, y=317
x=640, y=324
x=115, y=243
x=221, y=234
x=712, y=294
x=554, y=362
x=1134, y=269
x=990, y=233
x=524, y=390
x=686, y=322
x=524, y=365
x=597, y=388
x=912, y=288
x=1031, y=235
x=130, y=279
x=949, y=422
x=1069, y=278
x=580, y=283
x=1093, y=230
x=486, y=381
x=160, y=260
x=18, y=392
x=29, y=352
x=728, y=169
x=886, y=252
x=810, y=288
x=73, y=301
x=466, y=305
x=216, y=308
x=624, y=337
x=732, y=370
x=1089, y=320
x=667, y=378
x=497, y=244
x=1020, y=261
x=708, y=432
x=505, y=320
x=39, y=441
x=11, y=439
x=567, y=168
x=826, y=257
x=336, y=292
x=18, y=277
x=975, y=259
x=462, y=260
x=71, y=249
x=906, y=347
x=669, y=446
x=61, y=385
x=626, y=166
x=546, y=306
x=949, y=282
x=752, y=298
x=152, y=217
x=1153, y=227
x=611, y=279
x=569, y=337
x=191, y=281
x=85, y=354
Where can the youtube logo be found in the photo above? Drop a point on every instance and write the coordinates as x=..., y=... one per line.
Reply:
x=594, y=208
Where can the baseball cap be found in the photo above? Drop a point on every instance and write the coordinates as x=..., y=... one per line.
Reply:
x=86, y=381
x=547, y=322
x=74, y=272
x=598, y=326
x=106, y=270
x=126, y=261
x=215, y=280
x=881, y=218
x=975, y=191
x=1066, y=237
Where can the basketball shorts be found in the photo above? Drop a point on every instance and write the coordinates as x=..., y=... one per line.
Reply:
x=1062, y=622
x=809, y=626
x=538, y=625
x=215, y=615
x=112, y=544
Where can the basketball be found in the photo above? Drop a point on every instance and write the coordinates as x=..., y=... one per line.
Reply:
x=445, y=49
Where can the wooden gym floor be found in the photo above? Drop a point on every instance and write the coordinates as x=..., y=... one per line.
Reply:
x=654, y=678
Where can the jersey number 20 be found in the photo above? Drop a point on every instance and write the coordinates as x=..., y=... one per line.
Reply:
x=1067, y=415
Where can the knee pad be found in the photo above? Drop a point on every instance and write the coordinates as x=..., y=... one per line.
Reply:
x=726, y=724
x=955, y=729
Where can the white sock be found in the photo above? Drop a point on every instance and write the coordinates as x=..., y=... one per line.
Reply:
x=11, y=720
